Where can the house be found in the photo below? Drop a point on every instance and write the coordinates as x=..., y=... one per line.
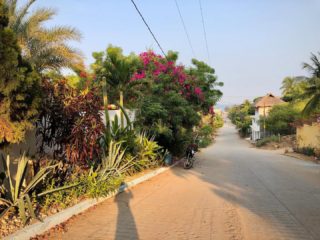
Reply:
x=263, y=105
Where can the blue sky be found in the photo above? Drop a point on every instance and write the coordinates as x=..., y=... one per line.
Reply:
x=253, y=44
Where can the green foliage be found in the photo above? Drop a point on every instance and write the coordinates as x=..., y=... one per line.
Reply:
x=293, y=88
x=204, y=77
x=312, y=91
x=116, y=69
x=217, y=122
x=309, y=151
x=17, y=196
x=264, y=141
x=147, y=153
x=205, y=135
x=281, y=118
x=19, y=87
x=169, y=117
x=96, y=185
x=44, y=47
x=71, y=122
x=240, y=115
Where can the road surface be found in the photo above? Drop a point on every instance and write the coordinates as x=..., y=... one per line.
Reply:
x=233, y=192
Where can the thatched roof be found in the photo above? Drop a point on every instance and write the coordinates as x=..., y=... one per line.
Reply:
x=268, y=101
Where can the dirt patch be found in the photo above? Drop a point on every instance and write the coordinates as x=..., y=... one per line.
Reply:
x=303, y=157
x=286, y=142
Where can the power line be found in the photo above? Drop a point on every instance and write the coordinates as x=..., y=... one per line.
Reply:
x=154, y=37
x=204, y=31
x=185, y=28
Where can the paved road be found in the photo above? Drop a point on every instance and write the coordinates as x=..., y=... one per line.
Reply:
x=234, y=192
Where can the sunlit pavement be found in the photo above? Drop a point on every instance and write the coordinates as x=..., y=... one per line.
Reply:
x=234, y=192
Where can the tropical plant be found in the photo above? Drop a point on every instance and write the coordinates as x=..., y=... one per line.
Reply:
x=240, y=115
x=18, y=196
x=113, y=71
x=148, y=152
x=203, y=76
x=19, y=87
x=205, y=135
x=115, y=163
x=71, y=123
x=293, y=87
x=312, y=91
x=83, y=143
x=53, y=125
x=44, y=47
x=281, y=118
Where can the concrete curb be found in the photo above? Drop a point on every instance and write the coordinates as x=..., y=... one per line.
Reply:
x=58, y=218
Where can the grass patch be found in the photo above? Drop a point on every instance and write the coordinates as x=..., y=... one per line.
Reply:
x=264, y=141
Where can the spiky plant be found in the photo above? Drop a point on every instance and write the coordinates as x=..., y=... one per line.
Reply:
x=17, y=195
x=45, y=48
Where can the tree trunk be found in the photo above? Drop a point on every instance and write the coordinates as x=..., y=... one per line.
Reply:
x=121, y=113
x=105, y=104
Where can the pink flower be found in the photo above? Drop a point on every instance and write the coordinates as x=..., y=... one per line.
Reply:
x=156, y=72
x=198, y=91
x=138, y=76
x=211, y=110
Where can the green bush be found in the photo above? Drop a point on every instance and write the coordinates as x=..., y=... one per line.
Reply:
x=266, y=140
x=205, y=135
x=240, y=116
x=218, y=122
x=281, y=118
x=309, y=151
x=19, y=87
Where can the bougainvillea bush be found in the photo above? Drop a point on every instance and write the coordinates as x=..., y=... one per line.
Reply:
x=173, y=100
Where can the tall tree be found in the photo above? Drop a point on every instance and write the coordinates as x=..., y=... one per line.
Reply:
x=19, y=86
x=312, y=91
x=204, y=77
x=45, y=48
x=293, y=87
x=113, y=71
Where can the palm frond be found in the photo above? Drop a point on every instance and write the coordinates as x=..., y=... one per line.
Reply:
x=44, y=47
x=312, y=105
x=23, y=11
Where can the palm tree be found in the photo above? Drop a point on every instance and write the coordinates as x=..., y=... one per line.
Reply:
x=312, y=91
x=115, y=70
x=119, y=74
x=287, y=85
x=45, y=48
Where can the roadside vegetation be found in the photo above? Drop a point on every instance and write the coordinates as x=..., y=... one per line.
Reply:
x=241, y=117
x=302, y=105
x=81, y=152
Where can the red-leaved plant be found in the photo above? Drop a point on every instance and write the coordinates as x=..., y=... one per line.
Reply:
x=88, y=128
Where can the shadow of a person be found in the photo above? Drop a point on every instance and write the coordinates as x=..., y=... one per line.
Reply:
x=126, y=226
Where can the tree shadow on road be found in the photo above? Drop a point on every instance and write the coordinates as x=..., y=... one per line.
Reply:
x=126, y=225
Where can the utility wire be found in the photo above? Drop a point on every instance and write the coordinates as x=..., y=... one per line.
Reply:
x=204, y=31
x=154, y=37
x=185, y=28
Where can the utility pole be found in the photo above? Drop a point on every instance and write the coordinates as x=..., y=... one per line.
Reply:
x=264, y=120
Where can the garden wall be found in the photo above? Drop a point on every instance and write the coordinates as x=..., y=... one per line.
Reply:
x=308, y=135
x=15, y=150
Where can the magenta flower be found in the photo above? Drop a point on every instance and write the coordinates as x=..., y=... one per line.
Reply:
x=198, y=91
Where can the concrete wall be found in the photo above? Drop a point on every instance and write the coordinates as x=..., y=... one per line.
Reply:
x=263, y=111
x=308, y=135
x=16, y=150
